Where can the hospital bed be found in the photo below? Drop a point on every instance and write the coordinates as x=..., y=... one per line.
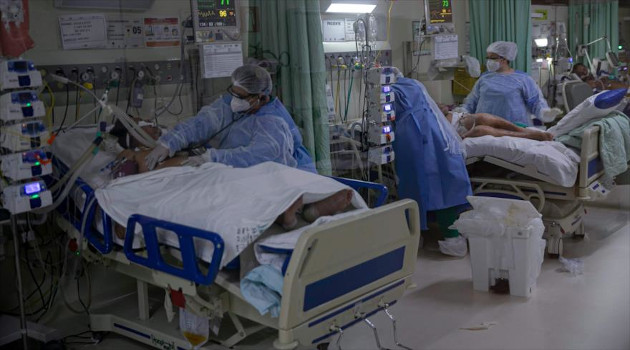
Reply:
x=339, y=273
x=560, y=204
x=556, y=179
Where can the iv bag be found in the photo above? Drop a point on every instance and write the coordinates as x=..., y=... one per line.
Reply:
x=373, y=28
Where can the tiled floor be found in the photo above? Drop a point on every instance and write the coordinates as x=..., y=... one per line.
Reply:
x=589, y=311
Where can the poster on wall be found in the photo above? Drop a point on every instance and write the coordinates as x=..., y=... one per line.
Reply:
x=220, y=60
x=333, y=30
x=161, y=32
x=125, y=33
x=84, y=31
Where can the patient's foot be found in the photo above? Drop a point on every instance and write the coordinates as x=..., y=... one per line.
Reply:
x=328, y=206
x=540, y=135
x=288, y=219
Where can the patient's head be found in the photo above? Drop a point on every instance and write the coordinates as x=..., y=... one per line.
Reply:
x=580, y=70
x=126, y=140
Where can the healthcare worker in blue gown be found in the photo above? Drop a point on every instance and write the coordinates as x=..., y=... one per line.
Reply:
x=251, y=127
x=508, y=93
x=429, y=161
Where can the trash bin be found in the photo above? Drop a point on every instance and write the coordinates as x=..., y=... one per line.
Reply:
x=506, y=245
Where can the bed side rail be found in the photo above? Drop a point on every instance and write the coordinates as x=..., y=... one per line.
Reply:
x=350, y=258
x=190, y=269
x=591, y=167
x=84, y=222
x=358, y=184
x=103, y=243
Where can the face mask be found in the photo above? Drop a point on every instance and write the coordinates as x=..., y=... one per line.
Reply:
x=239, y=105
x=493, y=65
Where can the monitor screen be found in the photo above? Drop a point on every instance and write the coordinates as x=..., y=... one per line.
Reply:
x=215, y=13
x=32, y=188
x=439, y=11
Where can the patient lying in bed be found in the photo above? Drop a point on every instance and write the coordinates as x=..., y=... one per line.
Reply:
x=482, y=124
x=131, y=161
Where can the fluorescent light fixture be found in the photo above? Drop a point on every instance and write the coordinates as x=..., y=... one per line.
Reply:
x=539, y=60
x=541, y=42
x=347, y=7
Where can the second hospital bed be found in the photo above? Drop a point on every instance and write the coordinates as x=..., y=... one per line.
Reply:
x=339, y=272
x=555, y=178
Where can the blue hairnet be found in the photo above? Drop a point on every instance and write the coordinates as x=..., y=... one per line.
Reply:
x=505, y=49
x=254, y=79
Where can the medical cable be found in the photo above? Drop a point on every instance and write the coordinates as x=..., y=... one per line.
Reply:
x=180, y=85
x=65, y=113
x=130, y=93
x=418, y=59
x=345, y=117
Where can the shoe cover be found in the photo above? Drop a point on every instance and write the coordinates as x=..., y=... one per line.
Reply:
x=454, y=246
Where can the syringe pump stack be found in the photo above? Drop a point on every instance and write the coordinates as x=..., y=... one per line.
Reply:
x=23, y=137
x=380, y=114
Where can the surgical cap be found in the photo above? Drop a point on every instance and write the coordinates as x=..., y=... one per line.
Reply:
x=505, y=49
x=254, y=79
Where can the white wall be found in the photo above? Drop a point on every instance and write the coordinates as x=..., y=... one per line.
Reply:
x=44, y=29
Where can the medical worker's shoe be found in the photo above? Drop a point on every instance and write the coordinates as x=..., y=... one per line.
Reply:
x=454, y=246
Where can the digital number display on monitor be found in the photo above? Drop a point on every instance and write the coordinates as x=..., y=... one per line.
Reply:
x=215, y=13
x=32, y=188
x=440, y=11
x=387, y=129
x=387, y=107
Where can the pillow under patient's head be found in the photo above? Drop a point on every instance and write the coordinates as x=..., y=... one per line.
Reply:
x=596, y=106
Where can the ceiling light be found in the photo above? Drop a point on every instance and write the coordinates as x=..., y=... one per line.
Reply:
x=347, y=7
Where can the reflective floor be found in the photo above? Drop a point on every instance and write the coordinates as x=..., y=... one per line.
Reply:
x=589, y=311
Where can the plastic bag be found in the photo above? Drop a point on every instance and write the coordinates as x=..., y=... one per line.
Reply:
x=194, y=328
x=573, y=266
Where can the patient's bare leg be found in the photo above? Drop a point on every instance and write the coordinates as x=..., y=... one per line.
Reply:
x=288, y=219
x=328, y=206
x=502, y=124
x=483, y=130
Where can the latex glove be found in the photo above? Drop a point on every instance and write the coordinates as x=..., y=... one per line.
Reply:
x=158, y=154
x=198, y=160
x=550, y=115
x=194, y=161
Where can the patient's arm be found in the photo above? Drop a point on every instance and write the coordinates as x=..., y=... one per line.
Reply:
x=138, y=157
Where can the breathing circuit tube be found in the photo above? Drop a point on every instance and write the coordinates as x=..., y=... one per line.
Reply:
x=71, y=176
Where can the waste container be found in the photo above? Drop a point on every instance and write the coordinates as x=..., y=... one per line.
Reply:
x=506, y=245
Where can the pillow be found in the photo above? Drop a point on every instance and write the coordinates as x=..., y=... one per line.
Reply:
x=594, y=107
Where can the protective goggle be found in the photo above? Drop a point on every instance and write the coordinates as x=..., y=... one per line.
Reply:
x=230, y=90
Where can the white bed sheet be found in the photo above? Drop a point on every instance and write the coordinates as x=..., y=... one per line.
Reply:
x=239, y=204
x=549, y=157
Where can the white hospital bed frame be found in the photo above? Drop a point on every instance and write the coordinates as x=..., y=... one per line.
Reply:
x=525, y=182
x=339, y=274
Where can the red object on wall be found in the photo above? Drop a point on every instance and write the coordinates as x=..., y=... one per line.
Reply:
x=15, y=39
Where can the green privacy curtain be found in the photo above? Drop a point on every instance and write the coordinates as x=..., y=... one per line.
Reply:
x=501, y=20
x=589, y=21
x=289, y=32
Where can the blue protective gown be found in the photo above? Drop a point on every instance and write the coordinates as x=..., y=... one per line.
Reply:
x=427, y=172
x=268, y=135
x=511, y=96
